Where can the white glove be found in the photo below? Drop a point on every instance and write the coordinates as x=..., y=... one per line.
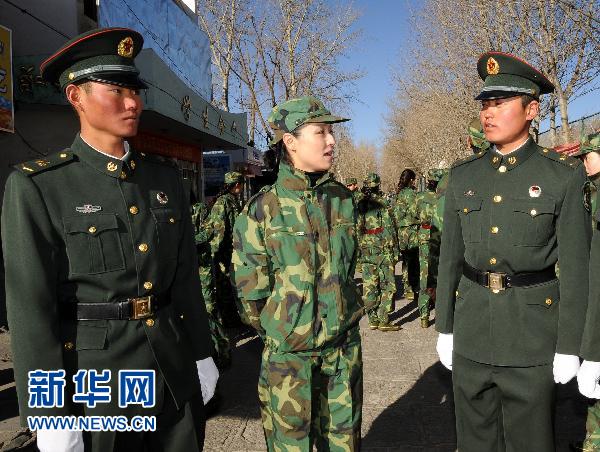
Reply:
x=444, y=347
x=565, y=367
x=59, y=441
x=208, y=375
x=587, y=379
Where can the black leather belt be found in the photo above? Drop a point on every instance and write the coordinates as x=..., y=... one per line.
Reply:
x=128, y=309
x=502, y=281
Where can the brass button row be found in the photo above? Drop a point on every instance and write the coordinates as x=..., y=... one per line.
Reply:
x=497, y=198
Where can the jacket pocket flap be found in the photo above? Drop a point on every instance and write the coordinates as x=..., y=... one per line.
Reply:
x=533, y=207
x=90, y=337
x=468, y=204
x=165, y=214
x=91, y=224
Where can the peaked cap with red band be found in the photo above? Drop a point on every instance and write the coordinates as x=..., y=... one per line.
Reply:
x=506, y=75
x=103, y=55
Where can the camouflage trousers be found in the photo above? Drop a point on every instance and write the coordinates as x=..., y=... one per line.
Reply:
x=218, y=335
x=592, y=427
x=225, y=295
x=312, y=398
x=424, y=296
x=379, y=286
x=410, y=269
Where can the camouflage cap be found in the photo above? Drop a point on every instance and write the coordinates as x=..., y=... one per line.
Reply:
x=436, y=174
x=589, y=143
x=351, y=181
x=372, y=180
x=506, y=75
x=477, y=136
x=233, y=177
x=293, y=113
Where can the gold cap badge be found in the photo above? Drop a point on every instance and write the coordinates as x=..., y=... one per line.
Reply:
x=492, y=66
x=125, y=48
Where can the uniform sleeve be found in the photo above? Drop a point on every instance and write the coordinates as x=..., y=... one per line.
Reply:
x=251, y=273
x=450, y=266
x=30, y=247
x=186, y=293
x=217, y=224
x=573, y=234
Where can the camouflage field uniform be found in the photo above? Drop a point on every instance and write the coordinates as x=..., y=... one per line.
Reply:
x=203, y=235
x=222, y=218
x=379, y=252
x=591, y=143
x=407, y=224
x=294, y=259
x=437, y=226
x=426, y=208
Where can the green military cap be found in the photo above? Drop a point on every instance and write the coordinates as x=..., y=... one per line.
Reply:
x=436, y=174
x=293, y=113
x=103, y=55
x=589, y=143
x=506, y=75
x=351, y=181
x=372, y=180
x=477, y=136
x=233, y=177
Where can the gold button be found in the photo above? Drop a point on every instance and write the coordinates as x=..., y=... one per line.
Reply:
x=533, y=212
x=133, y=210
x=548, y=301
x=497, y=198
x=181, y=316
x=92, y=229
x=69, y=346
x=123, y=175
x=147, y=285
x=132, y=164
x=111, y=166
x=494, y=229
x=495, y=159
x=171, y=220
x=71, y=75
x=502, y=169
x=63, y=156
x=456, y=293
x=562, y=157
x=143, y=247
x=512, y=160
x=545, y=151
x=465, y=210
x=493, y=261
x=150, y=322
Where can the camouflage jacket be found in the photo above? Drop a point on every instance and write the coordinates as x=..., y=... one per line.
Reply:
x=222, y=218
x=377, y=229
x=405, y=208
x=202, y=233
x=425, y=202
x=441, y=202
x=294, y=259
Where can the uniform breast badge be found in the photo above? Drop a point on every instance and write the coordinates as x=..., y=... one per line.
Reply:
x=88, y=208
x=162, y=197
x=535, y=191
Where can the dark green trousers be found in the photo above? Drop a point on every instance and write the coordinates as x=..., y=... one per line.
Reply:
x=177, y=431
x=503, y=408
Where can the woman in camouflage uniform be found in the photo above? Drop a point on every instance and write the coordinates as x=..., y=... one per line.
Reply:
x=294, y=260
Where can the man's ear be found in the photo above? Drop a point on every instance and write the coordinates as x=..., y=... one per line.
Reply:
x=74, y=93
x=288, y=140
x=532, y=110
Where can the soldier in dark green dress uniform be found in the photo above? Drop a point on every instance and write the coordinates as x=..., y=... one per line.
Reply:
x=508, y=328
x=101, y=271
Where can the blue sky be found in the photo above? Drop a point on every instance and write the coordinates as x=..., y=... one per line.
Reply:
x=385, y=27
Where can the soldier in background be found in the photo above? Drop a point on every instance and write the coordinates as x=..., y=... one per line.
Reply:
x=426, y=210
x=379, y=252
x=203, y=235
x=222, y=217
x=408, y=225
x=476, y=138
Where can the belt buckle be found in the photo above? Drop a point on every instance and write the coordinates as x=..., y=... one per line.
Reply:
x=141, y=307
x=496, y=281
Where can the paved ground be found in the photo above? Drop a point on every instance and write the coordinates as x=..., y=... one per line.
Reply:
x=408, y=401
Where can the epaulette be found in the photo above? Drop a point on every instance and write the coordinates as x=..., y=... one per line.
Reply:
x=158, y=159
x=40, y=165
x=468, y=159
x=559, y=157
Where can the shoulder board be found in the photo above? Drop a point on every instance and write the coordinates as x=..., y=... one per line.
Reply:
x=566, y=160
x=46, y=163
x=254, y=197
x=468, y=159
x=158, y=159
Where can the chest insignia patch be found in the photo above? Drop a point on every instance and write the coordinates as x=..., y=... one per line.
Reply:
x=469, y=193
x=162, y=197
x=535, y=191
x=88, y=208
